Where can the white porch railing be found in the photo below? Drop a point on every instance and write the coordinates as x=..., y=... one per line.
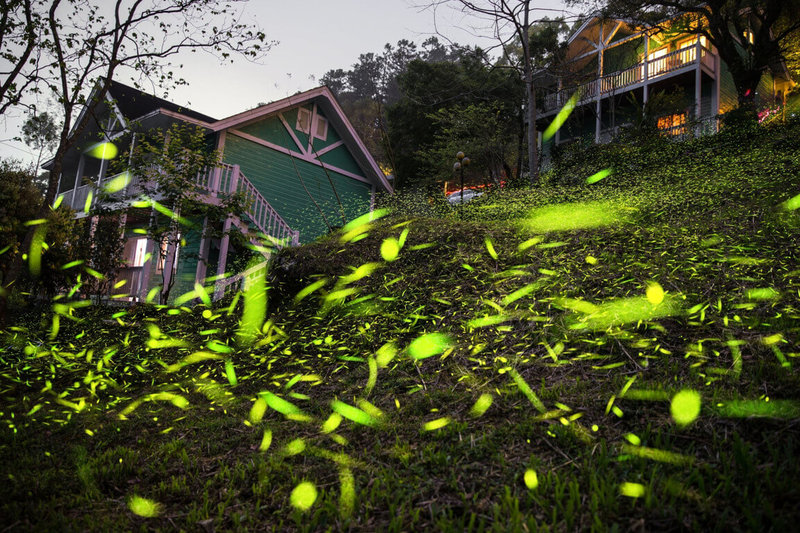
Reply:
x=647, y=70
x=228, y=179
x=239, y=281
x=213, y=183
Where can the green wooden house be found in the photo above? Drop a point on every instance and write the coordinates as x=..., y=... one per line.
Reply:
x=298, y=161
x=614, y=68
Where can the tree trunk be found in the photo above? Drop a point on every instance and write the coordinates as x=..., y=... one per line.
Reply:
x=533, y=148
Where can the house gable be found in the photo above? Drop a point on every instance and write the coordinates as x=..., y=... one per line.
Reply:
x=304, y=157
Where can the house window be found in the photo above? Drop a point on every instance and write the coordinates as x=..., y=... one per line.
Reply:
x=749, y=36
x=321, y=128
x=693, y=41
x=139, y=252
x=657, y=61
x=303, y=120
x=674, y=124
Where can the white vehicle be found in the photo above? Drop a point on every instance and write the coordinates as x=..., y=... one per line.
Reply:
x=469, y=194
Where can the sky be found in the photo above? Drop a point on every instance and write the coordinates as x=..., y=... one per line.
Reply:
x=312, y=37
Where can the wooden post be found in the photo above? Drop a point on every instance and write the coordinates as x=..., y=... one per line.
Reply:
x=169, y=264
x=223, y=253
x=215, y=182
x=152, y=254
x=77, y=181
x=202, y=260
x=646, y=67
x=698, y=88
x=717, y=76
x=144, y=279
x=599, y=104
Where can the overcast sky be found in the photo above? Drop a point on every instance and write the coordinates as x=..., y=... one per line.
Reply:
x=313, y=37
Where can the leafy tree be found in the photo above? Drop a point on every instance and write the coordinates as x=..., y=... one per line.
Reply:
x=481, y=131
x=751, y=36
x=40, y=132
x=510, y=22
x=371, y=84
x=165, y=165
x=436, y=89
x=60, y=47
x=19, y=203
x=105, y=251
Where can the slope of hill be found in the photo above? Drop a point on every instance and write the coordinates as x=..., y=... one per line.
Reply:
x=621, y=354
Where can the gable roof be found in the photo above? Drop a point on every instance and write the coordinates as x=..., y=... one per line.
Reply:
x=326, y=101
x=133, y=103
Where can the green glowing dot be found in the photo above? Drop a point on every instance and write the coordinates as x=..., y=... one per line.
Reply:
x=594, y=178
x=389, y=249
x=654, y=293
x=258, y=410
x=439, y=423
x=531, y=479
x=104, y=151
x=118, y=183
x=297, y=446
x=592, y=260
x=207, y=314
x=304, y=495
x=144, y=507
x=594, y=427
x=481, y=405
x=792, y=203
x=685, y=407
x=428, y=345
x=633, y=439
x=632, y=490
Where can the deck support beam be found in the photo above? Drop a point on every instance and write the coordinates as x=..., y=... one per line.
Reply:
x=202, y=259
x=223, y=253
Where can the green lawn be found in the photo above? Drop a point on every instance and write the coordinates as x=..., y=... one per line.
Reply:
x=620, y=355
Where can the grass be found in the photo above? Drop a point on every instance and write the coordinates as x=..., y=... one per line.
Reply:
x=543, y=331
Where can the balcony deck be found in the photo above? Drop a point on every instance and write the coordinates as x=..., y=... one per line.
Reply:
x=211, y=184
x=658, y=68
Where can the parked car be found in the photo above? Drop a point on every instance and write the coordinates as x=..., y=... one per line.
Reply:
x=469, y=194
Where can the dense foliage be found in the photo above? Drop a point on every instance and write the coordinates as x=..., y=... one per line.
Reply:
x=606, y=355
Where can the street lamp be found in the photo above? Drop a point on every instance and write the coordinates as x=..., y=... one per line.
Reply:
x=462, y=161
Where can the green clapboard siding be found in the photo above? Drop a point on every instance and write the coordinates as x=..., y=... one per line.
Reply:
x=341, y=158
x=187, y=263
x=275, y=174
x=272, y=130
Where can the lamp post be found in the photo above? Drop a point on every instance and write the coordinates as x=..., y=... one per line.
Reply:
x=462, y=161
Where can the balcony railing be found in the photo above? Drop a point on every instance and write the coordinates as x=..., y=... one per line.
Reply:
x=223, y=180
x=647, y=70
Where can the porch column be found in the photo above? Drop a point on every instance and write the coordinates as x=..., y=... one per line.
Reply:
x=698, y=90
x=202, y=259
x=598, y=122
x=646, y=68
x=151, y=254
x=144, y=280
x=717, y=79
x=169, y=264
x=223, y=253
x=78, y=175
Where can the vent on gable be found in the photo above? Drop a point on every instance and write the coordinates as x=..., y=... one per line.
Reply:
x=303, y=120
x=321, y=128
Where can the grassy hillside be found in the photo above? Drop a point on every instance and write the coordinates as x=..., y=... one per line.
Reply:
x=614, y=355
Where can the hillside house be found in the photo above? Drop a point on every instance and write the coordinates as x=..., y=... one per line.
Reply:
x=615, y=67
x=292, y=159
